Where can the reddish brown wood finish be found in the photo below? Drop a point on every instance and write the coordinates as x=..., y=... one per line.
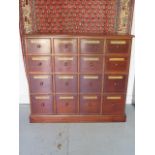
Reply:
x=91, y=46
x=39, y=64
x=90, y=104
x=66, y=83
x=42, y=104
x=115, y=85
x=76, y=118
x=66, y=104
x=91, y=64
x=38, y=46
x=79, y=66
x=113, y=104
x=40, y=83
x=116, y=46
x=116, y=64
x=90, y=83
x=65, y=45
x=67, y=64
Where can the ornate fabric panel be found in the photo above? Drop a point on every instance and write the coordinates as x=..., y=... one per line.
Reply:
x=77, y=16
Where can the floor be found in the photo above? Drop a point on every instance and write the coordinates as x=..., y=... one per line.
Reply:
x=76, y=138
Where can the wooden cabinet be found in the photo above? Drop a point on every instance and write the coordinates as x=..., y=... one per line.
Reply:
x=77, y=79
x=77, y=56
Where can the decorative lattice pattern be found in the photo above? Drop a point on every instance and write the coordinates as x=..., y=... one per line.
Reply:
x=76, y=16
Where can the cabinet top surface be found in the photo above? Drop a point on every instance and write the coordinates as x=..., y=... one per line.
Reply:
x=88, y=35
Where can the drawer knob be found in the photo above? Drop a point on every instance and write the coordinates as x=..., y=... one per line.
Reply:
x=42, y=104
x=65, y=63
x=40, y=63
x=116, y=64
x=41, y=83
x=38, y=46
x=66, y=103
x=66, y=83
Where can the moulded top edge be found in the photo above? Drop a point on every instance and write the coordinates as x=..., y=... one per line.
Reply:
x=124, y=36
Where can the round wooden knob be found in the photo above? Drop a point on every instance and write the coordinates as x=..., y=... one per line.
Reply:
x=65, y=63
x=66, y=103
x=67, y=83
x=43, y=104
x=41, y=83
x=40, y=63
x=38, y=46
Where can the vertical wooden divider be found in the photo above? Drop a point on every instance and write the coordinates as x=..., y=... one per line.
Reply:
x=53, y=75
x=103, y=68
x=78, y=60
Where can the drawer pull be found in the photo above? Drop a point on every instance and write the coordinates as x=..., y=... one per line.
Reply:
x=65, y=58
x=66, y=97
x=40, y=58
x=91, y=59
x=113, y=97
x=42, y=97
x=91, y=42
x=116, y=59
x=118, y=42
x=36, y=41
x=65, y=77
x=115, y=77
x=90, y=97
x=41, y=77
x=90, y=77
x=65, y=41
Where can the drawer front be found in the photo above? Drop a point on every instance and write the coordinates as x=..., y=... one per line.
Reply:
x=90, y=83
x=90, y=104
x=118, y=46
x=115, y=83
x=66, y=104
x=91, y=46
x=39, y=46
x=65, y=63
x=116, y=64
x=66, y=83
x=65, y=45
x=40, y=83
x=113, y=104
x=39, y=63
x=91, y=64
x=41, y=104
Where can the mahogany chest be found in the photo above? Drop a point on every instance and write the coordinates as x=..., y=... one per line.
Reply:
x=75, y=73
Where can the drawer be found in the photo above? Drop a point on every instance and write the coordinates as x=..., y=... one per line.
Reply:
x=90, y=83
x=38, y=46
x=40, y=83
x=116, y=64
x=113, y=104
x=65, y=63
x=39, y=64
x=66, y=104
x=66, y=83
x=115, y=83
x=118, y=46
x=91, y=64
x=91, y=46
x=90, y=104
x=64, y=45
x=41, y=104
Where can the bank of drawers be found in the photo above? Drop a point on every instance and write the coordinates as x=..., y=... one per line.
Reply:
x=77, y=75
